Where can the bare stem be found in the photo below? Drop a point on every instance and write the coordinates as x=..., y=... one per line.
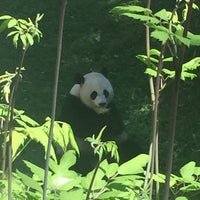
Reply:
x=178, y=69
x=57, y=69
x=10, y=126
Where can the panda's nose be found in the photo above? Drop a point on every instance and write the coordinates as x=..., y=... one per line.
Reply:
x=102, y=104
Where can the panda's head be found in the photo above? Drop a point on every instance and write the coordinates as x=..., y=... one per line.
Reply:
x=94, y=90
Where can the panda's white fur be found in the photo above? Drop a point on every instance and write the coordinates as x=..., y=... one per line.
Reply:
x=98, y=85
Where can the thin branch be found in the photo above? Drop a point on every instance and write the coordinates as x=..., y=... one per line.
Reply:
x=57, y=69
x=178, y=69
x=10, y=121
x=92, y=181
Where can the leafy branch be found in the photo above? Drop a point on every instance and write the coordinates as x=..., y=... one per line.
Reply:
x=25, y=31
x=172, y=30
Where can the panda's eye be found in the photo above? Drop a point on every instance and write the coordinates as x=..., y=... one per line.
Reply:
x=106, y=93
x=93, y=95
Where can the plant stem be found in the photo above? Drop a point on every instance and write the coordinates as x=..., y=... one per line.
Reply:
x=92, y=181
x=154, y=152
x=10, y=121
x=57, y=69
x=178, y=70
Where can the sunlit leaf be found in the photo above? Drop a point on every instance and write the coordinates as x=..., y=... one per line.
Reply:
x=29, y=38
x=181, y=198
x=12, y=22
x=151, y=72
x=18, y=140
x=73, y=141
x=68, y=159
x=154, y=52
x=12, y=33
x=162, y=14
x=143, y=18
x=23, y=39
x=66, y=129
x=194, y=39
x=160, y=35
x=187, y=171
x=183, y=40
x=37, y=171
x=30, y=182
x=134, y=166
x=39, y=134
x=131, y=9
x=28, y=120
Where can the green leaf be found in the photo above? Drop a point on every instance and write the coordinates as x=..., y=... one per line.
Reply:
x=160, y=178
x=22, y=21
x=23, y=39
x=99, y=183
x=112, y=170
x=29, y=38
x=39, y=134
x=170, y=73
x=18, y=140
x=66, y=129
x=4, y=25
x=5, y=17
x=181, y=198
x=58, y=135
x=185, y=75
x=12, y=22
x=76, y=194
x=68, y=159
x=151, y=72
x=15, y=40
x=37, y=171
x=169, y=59
x=135, y=165
x=30, y=182
x=192, y=64
x=12, y=33
x=182, y=39
x=187, y=171
x=131, y=9
x=28, y=120
x=66, y=180
x=142, y=18
x=162, y=36
x=162, y=14
x=39, y=17
x=73, y=141
x=154, y=52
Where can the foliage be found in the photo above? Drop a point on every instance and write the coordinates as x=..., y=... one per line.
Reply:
x=103, y=147
x=168, y=73
x=112, y=181
x=171, y=29
x=26, y=129
x=167, y=27
x=25, y=30
x=185, y=185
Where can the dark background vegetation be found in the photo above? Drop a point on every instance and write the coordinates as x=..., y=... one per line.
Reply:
x=94, y=38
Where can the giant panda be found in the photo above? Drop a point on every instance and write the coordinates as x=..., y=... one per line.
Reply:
x=89, y=107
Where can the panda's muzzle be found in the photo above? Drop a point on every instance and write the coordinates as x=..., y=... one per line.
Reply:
x=102, y=104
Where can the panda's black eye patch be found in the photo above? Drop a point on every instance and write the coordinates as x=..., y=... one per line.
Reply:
x=106, y=93
x=93, y=95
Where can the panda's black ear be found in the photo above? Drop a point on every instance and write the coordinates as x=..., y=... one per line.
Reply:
x=79, y=79
x=104, y=71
